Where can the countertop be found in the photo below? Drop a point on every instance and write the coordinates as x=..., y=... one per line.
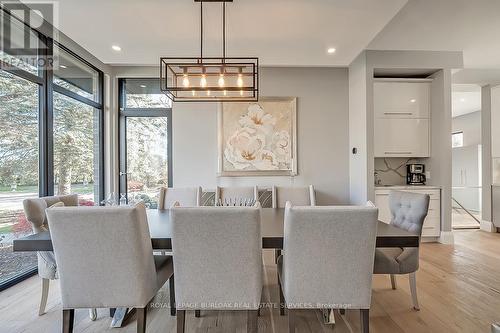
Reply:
x=406, y=187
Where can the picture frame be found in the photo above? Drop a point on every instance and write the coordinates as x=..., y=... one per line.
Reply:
x=258, y=138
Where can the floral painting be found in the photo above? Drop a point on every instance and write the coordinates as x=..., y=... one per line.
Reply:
x=258, y=138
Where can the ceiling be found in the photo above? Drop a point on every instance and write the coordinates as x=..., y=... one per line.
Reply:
x=466, y=98
x=279, y=32
x=446, y=25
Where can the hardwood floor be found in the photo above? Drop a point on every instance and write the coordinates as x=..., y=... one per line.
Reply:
x=458, y=289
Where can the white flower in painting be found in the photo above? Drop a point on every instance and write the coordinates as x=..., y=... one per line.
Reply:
x=281, y=147
x=244, y=147
x=257, y=118
x=266, y=161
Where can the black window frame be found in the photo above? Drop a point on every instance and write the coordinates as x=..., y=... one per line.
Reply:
x=124, y=113
x=47, y=87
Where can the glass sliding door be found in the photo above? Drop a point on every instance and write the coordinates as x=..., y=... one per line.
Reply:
x=145, y=140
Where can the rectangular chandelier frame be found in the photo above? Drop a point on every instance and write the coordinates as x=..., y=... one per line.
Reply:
x=181, y=79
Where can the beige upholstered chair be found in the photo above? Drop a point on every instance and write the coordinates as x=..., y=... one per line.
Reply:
x=328, y=259
x=105, y=259
x=298, y=196
x=186, y=196
x=408, y=212
x=217, y=260
x=231, y=194
x=34, y=209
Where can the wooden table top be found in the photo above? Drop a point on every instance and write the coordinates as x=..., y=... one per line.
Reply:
x=271, y=228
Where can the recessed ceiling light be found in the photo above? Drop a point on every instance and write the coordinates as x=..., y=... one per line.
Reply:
x=142, y=86
x=116, y=48
x=63, y=66
x=413, y=100
x=462, y=99
x=331, y=50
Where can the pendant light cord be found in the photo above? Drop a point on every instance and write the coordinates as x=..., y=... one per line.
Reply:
x=224, y=31
x=201, y=31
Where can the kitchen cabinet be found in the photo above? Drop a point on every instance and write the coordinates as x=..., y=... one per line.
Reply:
x=401, y=99
x=402, y=119
x=432, y=223
x=401, y=137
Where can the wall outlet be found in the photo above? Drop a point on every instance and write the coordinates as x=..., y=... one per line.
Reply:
x=428, y=175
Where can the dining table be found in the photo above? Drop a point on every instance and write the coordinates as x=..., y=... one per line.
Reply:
x=272, y=231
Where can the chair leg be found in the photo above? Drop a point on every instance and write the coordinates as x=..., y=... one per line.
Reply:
x=93, y=314
x=393, y=281
x=181, y=315
x=171, y=284
x=68, y=320
x=141, y=319
x=277, y=253
x=197, y=313
x=291, y=320
x=365, y=320
x=45, y=295
x=413, y=289
x=282, y=298
x=252, y=321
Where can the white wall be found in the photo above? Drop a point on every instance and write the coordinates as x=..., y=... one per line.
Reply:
x=470, y=124
x=322, y=125
x=358, y=163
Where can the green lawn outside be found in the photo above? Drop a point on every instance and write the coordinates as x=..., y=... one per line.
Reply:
x=75, y=188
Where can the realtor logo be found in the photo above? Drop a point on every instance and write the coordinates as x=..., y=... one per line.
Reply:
x=21, y=45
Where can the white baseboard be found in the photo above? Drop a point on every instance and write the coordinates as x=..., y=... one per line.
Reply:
x=488, y=226
x=446, y=237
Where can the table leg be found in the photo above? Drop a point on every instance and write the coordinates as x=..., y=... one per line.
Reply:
x=119, y=317
x=328, y=317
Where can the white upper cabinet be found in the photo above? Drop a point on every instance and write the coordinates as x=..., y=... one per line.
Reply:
x=402, y=119
x=401, y=99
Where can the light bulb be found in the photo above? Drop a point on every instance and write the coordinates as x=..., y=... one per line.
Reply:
x=241, y=92
x=240, y=80
x=221, y=80
x=193, y=92
x=203, y=80
x=225, y=93
x=208, y=92
x=185, y=81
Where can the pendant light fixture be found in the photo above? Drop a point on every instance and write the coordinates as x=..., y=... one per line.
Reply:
x=209, y=79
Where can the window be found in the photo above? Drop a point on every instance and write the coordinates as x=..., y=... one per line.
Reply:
x=457, y=139
x=19, y=176
x=145, y=140
x=75, y=76
x=76, y=149
x=51, y=136
x=144, y=93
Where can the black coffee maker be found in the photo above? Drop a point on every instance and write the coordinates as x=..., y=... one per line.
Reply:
x=415, y=174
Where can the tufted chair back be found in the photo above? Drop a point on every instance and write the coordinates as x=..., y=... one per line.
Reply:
x=408, y=210
x=34, y=209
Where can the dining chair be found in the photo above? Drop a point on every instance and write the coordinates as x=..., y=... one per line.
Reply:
x=34, y=210
x=217, y=260
x=105, y=260
x=328, y=259
x=408, y=212
x=231, y=194
x=186, y=196
x=298, y=196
